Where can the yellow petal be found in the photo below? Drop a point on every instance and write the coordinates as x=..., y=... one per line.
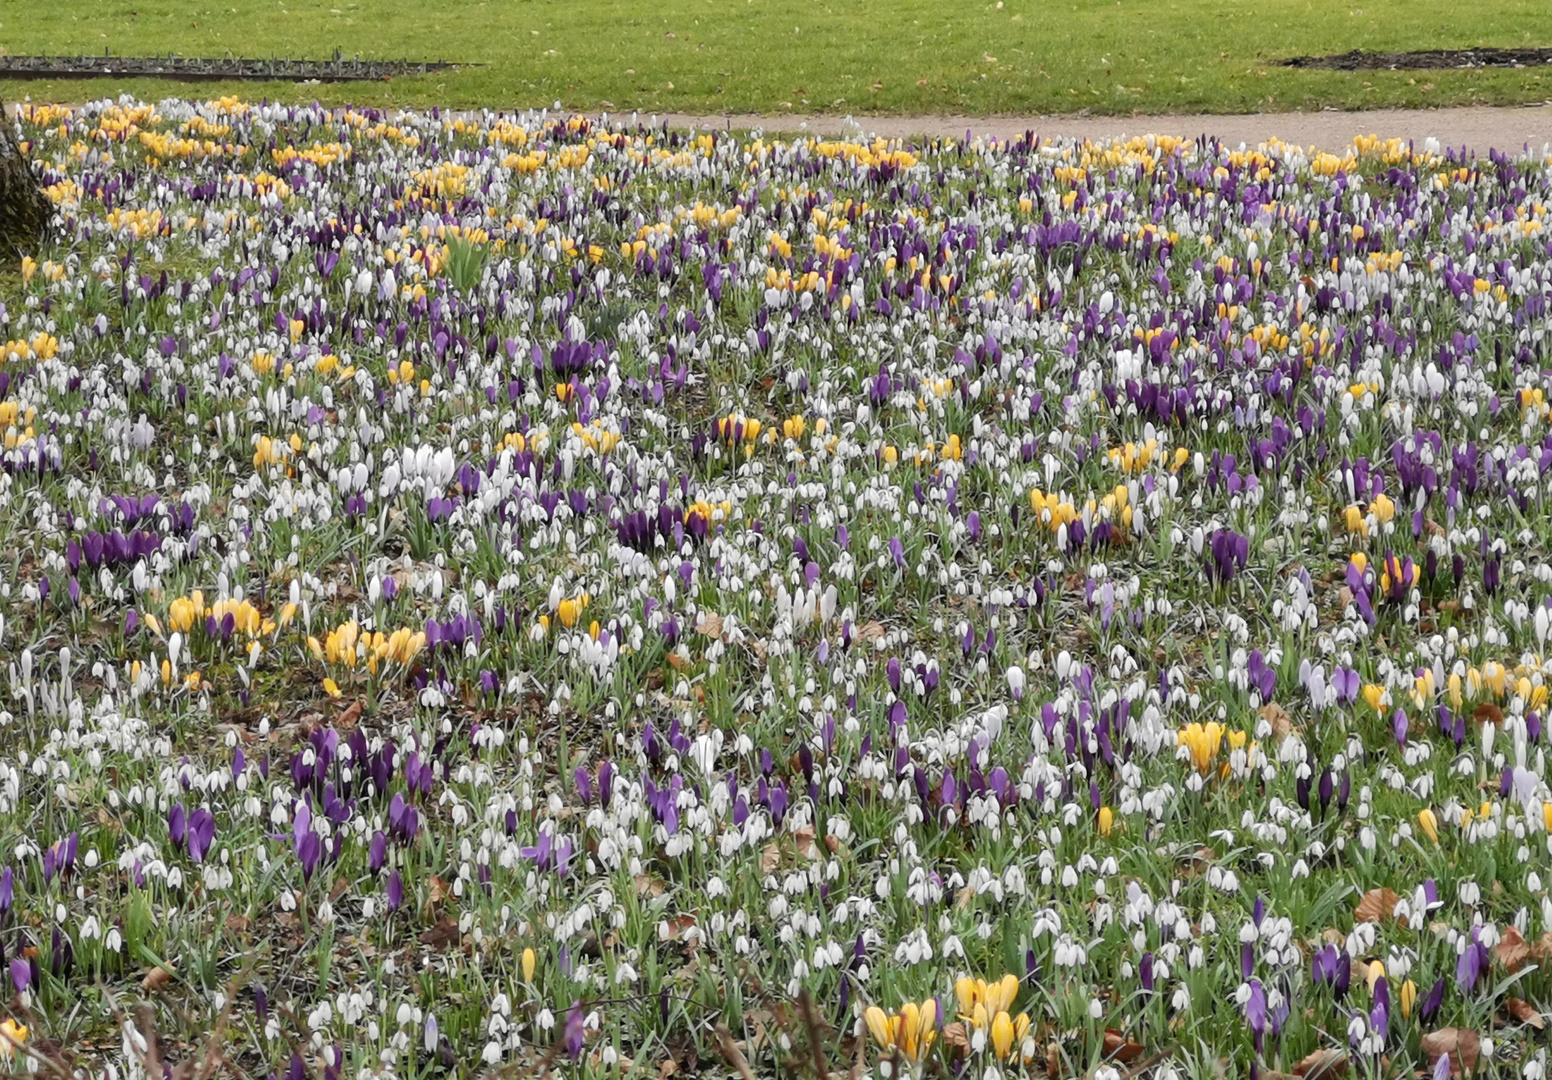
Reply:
x=907, y=1023
x=964, y=986
x=1002, y=1035
x=926, y=1022
x=878, y=1026
x=1001, y=995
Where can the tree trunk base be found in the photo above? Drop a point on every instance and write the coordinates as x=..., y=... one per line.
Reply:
x=26, y=214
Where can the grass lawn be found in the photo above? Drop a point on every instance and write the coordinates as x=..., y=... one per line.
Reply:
x=849, y=56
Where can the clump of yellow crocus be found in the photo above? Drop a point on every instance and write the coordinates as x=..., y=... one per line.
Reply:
x=1203, y=740
x=909, y=1032
x=984, y=1006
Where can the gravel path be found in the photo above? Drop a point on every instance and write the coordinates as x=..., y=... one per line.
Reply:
x=1479, y=129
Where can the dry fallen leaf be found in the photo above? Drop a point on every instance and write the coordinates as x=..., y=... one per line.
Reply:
x=770, y=858
x=1278, y=717
x=710, y=624
x=155, y=979
x=1119, y=1048
x=1461, y=1044
x=1525, y=1013
x=1487, y=713
x=438, y=889
x=349, y=716
x=1512, y=949
x=1377, y=905
x=677, y=662
x=443, y=935
x=954, y=1035
x=1322, y=1065
x=870, y=631
x=1359, y=971
x=679, y=924
x=1200, y=861
x=648, y=885
x=804, y=838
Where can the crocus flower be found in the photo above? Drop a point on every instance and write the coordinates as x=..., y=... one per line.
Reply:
x=574, y=1031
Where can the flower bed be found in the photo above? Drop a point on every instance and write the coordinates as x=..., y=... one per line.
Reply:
x=502, y=591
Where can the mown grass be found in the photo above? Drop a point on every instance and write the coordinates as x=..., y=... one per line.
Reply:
x=845, y=56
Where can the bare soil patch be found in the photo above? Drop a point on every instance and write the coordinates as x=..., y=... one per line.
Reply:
x=1362, y=60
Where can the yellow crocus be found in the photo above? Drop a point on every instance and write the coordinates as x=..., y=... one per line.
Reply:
x=1002, y=1036
x=965, y=986
x=568, y=610
x=1203, y=741
x=1355, y=522
x=529, y=961
x=1000, y=995
x=1429, y=823
x=180, y=614
x=879, y=1027
x=12, y=1035
x=908, y=1027
x=911, y=1031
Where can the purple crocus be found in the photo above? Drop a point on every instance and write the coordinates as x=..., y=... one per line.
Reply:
x=574, y=1030
x=1255, y=1013
x=201, y=833
x=1472, y=963
x=1432, y=1001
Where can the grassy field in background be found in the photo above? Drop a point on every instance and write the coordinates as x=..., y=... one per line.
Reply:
x=842, y=56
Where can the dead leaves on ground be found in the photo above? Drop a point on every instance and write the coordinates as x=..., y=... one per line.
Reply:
x=649, y=886
x=1378, y=905
x=1512, y=949
x=1461, y=1044
x=802, y=843
x=442, y=936
x=1525, y=1013
x=156, y=978
x=1278, y=717
x=1119, y=1048
x=1325, y=1064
